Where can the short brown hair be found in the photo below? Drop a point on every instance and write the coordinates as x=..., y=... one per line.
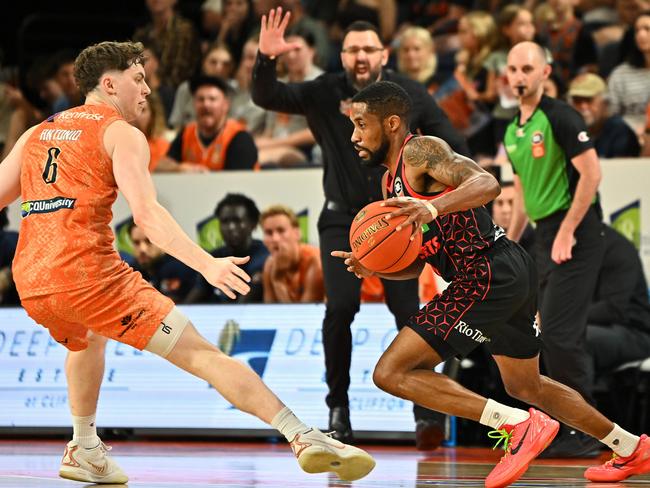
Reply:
x=97, y=59
x=274, y=210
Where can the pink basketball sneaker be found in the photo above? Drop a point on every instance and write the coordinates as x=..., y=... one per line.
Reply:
x=620, y=468
x=524, y=442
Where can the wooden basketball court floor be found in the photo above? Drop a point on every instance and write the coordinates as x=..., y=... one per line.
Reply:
x=163, y=464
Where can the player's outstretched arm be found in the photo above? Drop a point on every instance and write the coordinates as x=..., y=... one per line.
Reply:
x=266, y=91
x=10, y=172
x=129, y=151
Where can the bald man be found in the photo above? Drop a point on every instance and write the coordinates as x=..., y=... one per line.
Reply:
x=557, y=173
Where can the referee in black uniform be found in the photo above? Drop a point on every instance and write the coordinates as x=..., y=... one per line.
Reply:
x=557, y=173
x=348, y=186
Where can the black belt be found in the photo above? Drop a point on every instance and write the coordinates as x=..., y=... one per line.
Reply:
x=340, y=207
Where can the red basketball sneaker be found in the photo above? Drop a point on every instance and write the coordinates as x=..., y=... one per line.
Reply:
x=620, y=468
x=523, y=442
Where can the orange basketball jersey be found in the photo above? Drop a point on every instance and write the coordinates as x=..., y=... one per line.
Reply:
x=214, y=155
x=67, y=189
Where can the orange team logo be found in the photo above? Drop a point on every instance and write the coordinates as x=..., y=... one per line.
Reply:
x=538, y=148
x=99, y=469
x=344, y=106
x=68, y=458
x=298, y=446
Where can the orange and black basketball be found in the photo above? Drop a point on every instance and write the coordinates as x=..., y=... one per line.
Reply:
x=377, y=244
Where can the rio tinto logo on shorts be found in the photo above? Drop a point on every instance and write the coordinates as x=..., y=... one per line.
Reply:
x=474, y=334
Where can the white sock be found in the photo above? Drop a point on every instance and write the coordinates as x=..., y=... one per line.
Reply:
x=84, y=431
x=621, y=441
x=288, y=424
x=496, y=415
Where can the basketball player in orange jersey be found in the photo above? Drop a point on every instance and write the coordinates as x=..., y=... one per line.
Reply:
x=491, y=299
x=72, y=281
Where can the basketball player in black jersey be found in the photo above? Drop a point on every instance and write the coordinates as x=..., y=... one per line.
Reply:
x=491, y=298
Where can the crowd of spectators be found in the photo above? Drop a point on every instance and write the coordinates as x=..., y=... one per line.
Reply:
x=456, y=48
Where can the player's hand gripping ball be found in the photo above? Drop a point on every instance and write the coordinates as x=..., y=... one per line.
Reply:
x=376, y=243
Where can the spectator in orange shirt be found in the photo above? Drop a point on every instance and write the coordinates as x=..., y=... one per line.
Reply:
x=152, y=124
x=213, y=142
x=293, y=272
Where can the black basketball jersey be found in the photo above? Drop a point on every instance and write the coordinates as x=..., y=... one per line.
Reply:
x=451, y=241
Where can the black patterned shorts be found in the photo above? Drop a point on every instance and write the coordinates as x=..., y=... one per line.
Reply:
x=493, y=302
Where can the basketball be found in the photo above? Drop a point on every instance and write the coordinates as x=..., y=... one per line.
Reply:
x=376, y=243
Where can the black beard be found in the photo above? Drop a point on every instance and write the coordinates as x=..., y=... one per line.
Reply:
x=378, y=157
x=359, y=86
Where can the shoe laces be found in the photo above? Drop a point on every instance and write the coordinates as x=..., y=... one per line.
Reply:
x=103, y=447
x=501, y=435
x=610, y=463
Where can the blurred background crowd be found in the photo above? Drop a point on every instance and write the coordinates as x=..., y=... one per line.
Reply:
x=599, y=49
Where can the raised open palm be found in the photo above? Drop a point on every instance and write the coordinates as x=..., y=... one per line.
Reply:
x=272, y=41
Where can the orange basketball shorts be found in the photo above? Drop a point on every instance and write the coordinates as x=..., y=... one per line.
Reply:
x=125, y=308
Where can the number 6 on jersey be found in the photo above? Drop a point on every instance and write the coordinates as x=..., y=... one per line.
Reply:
x=50, y=171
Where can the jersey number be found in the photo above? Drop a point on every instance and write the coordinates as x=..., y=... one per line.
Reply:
x=51, y=167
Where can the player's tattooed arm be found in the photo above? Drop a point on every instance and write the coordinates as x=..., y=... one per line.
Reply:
x=473, y=186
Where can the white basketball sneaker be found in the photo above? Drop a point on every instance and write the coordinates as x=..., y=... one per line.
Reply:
x=319, y=453
x=91, y=465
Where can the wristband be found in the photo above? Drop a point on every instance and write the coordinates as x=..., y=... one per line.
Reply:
x=432, y=209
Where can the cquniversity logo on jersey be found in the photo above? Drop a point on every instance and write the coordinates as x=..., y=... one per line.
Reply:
x=46, y=206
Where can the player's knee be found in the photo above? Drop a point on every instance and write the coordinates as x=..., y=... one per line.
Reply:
x=167, y=337
x=385, y=378
x=527, y=391
x=382, y=379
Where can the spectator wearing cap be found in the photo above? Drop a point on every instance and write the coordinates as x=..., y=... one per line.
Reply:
x=213, y=142
x=613, y=138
